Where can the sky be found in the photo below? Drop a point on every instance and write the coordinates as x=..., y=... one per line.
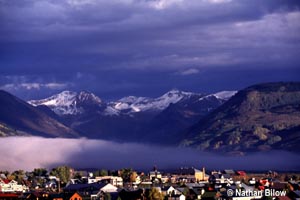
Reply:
x=36, y=152
x=146, y=47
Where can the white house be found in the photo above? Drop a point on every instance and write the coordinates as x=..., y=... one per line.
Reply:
x=219, y=178
x=11, y=186
x=114, y=180
x=155, y=175
x=109, y=188
x=170, y=190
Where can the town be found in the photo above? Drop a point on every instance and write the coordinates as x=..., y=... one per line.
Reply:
x=185, y=183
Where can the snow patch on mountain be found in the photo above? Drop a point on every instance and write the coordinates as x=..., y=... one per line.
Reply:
x=134, y=104
x=110, y=111
x=223, y=95
x=64, y=98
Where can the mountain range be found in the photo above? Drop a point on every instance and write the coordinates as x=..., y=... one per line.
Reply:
x=137, y=119
x=258, y=118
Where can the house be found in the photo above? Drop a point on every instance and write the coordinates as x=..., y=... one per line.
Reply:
x=278, y=186
x=114, y=180
x=241, y=173
x=196, y=193
x=295, y=185
x=35, y=196
x=56, y=196
x=195, y=185
x=266, y=182
x=229, y=171
x=252, y=181
x=91, y=189
x=109, y=189
x=11, y=186
x=182, y=189
x=170, y=191
x=219, y=178
x=92, y=180
x=200, y=175
x=73, y=196
x=192, y=175
x=51, y=184
x=155, y=175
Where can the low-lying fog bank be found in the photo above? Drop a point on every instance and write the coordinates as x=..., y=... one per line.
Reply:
x=32, y=152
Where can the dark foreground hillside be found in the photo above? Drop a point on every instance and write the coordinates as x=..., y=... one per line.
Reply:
x=20, y=118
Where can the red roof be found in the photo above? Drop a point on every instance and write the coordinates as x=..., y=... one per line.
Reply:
x=6, y=181
x=241, y=173
x=261, y=187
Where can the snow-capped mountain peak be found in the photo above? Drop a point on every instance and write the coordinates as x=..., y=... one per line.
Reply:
x=68, y=102
x=64, y=98
x=88, y=96
x=173, y=96
x=177, y=92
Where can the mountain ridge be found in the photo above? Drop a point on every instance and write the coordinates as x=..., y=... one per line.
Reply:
x=252, y=119
x=136, y=119
x=65, y=102
x=21, y=117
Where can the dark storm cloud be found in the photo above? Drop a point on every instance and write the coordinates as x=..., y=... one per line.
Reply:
x=33, y=152
x=114, y=42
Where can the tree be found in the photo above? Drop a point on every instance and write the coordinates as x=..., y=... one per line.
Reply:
x=107, y=196
x=186, y=192
x=62, y=172
x=125, y=174
x=11, y=177
x=295, y=178
x=102, y=172
x=133, y=176
x=29, y=175
x=155, y=194
x=19, y=176
x=37, y=172
x=287, y=177
x=78, y=175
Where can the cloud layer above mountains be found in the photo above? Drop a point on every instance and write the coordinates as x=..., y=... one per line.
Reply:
x=122, y=47
x=32, y=152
